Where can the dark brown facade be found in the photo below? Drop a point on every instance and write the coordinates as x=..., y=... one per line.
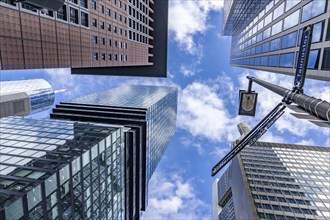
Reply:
x=82, y=34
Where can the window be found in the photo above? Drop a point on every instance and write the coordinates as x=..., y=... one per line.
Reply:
x=277, y=28
x=313, y=9
x=286, y=60
x=273, y=60
x=94, y=22
x=259, y=37
x=257, y=61
x=108, y=12
x=83, y=3
x=317, y=33
x=275, y=44
x=268, y=19
x=94, y=39
x=61, y=13
x=103, y=56
x=291, y=20
x=269, y=6
x=313, y=59
x=290, y=4
x=289, y=40
x=260, y=25
x=102, y=9
x=84, y=19
x=264, y=61
x=327, y=37
x=74, y=15
x=109, y=56
x=258, y=49
x=265, y=47
x=278, y=11
x=94, y=4
x=96, y=56
x=102, y=24
x=267, y=33
x=102, y=40
x=109, y=42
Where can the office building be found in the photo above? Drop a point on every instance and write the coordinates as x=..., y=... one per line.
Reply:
x=99, y=37
x=149, y=112
x=266, y=34
x=52, y=169
x=276, y=181
x=22, y=97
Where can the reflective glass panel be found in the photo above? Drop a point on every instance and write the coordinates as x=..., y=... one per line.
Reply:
x=275, y=44
x=313, y=59
x=278, y=11
x=289, y=40
x=267, y=33
x=265, y=47
x=277, y=28
x=273, y=60
x=290, y=4
x=291, y=20
x=313, y=9
x=264, y=61
x=286, y=60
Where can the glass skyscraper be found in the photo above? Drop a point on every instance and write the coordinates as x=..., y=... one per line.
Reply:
x=52, y=169
x=22, y=97
x=266, y=34
x=149, y=112
x=276, y=181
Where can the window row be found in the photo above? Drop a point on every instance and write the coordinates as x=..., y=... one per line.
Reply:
x=109, y=27
x=309, y=11
x=110, y=57
x=287, y=41
x=137, y=37
x=114, y=43
x=288, y=60
x=120, y=5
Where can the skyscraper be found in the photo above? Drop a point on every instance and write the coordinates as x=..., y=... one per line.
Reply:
x=150, y=112
x=276, y=181
x=51, y=169
x=266, y=34
x=22, y=97
x=101, y=37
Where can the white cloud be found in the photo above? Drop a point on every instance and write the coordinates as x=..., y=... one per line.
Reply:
x=171, y=197
x=201, y=112
x=306, y=142
x=187, y=70
x=188, y=18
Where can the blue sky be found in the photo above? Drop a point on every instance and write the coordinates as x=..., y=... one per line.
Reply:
x=198, y=63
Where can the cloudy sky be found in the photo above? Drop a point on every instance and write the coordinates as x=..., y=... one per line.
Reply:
x=198, y=64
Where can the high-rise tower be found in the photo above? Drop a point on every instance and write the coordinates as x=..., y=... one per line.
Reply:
x=22, y=97
x=99, y=37
x=149, y=111
x=276, y=181
x=266, y=34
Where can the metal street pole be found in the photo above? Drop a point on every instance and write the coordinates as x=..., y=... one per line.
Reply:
x=317, y=107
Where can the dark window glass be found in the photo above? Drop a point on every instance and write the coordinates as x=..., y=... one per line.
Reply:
x=258, y=49
x=84, y=19
x=273, y=60
x=313, y=59
x=286, y=60
x=275, y=44
x=289, y=40
x=326, y=58
x=74, y=15
x=313, y=9
x=264, y=61
x=327, y=37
